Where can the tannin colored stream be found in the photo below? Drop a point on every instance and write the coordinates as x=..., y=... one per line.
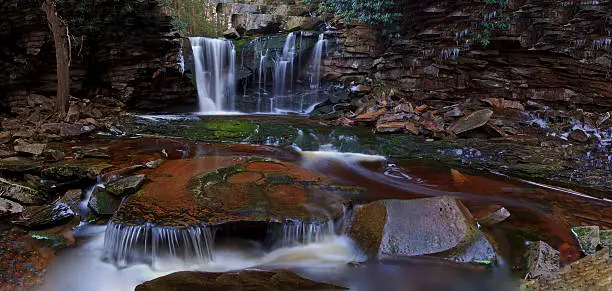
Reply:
x=537, y=213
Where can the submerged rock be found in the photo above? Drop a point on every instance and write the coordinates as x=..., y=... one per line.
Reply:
x=8, y=207
x=242, y=280
x=542, y=260
x=126, y=186
x=492, y=215
x=21, y=193
x=229, y=189
x=588, y=238
x=439, y=226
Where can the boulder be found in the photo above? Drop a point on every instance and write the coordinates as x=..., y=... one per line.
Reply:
x=588, y=238
x=231, y=33
x=8, y=207
x=70, y=130
x=126, y=186
x=439, y=226
x=30, y=148
x=492, y=215
x=103, y=203
x=46, y=216
x=472, y=121
x=118, y=174
x=74, y=112
x=242, y=280
x=22, y=194
x=542, y=260
x=72, y=198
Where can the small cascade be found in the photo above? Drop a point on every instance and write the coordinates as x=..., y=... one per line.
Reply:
x=125, y=244
x=83, y=204
x=294, y=232
x=283, y=70
x=215, y=66
x=315, y=69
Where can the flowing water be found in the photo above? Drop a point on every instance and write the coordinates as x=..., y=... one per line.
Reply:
x=215, y=73
x=119, y=257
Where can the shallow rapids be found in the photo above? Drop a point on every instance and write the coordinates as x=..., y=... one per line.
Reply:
x=82, y=268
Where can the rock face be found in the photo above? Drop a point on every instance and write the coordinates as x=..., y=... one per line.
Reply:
x=133, y=57
x=439, y=226
x=243, y=280
x=544, y=54
x=228, y=189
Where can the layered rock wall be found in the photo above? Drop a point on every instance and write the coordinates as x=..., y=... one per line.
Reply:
x=126, y=49
x=551, y=51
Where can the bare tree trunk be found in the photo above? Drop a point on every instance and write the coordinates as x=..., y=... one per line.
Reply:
x=59, y=29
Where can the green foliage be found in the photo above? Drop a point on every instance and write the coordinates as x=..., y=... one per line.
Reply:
x=386, y=13
x=498, y=21
x=193, y=17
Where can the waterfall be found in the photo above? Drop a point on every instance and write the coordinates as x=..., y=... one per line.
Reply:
x=295, y=232
x=283, y=70
x=127, y=244
x=315, y=72
x=215, y=65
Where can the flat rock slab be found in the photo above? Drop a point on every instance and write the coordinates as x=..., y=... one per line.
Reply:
x=439, y=226
x=243, y=280
x=21, y=193
x=216, y=190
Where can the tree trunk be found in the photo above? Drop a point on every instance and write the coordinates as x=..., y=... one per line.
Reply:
x=59, y=30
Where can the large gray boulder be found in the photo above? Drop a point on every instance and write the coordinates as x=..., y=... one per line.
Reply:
x=439, y=226
x=102, y=202
x=126, y=186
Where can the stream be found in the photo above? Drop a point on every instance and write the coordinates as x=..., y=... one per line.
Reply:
x=538, y=212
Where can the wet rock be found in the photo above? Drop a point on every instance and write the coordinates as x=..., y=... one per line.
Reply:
x=74, y=170
x=439, y=226
x=7, y=154
x=46, y=216
x=472, y=121
x=118, y=174
x=242, y=280
x=493, y=215
x=605, y=239
x=542, y=260
x=21, y=193
x=397, y=126
x=231, y=33
x=502, y=103
x=102, y=202
x=30, y=148
x=126, y=186
x=8, y=207
x=72, y=198
x=588, y=238
x=54, y=155
x=578, y=135
x=19, y=165
x=6, y=137
x=70, y=130
x=455, y=112
x=154, y=164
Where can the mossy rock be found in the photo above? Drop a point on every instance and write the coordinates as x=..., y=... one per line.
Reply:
x=75, y=170
x=21, y=193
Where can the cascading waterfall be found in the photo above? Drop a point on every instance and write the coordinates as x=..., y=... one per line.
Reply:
x=125, y=244
x=283, y=70
x=215, y=65
x=295, y=232
x=317, y=54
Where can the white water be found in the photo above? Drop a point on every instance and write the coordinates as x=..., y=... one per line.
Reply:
x=81, y=268
x=315, y=71
x=283, y=72
x=215, y=65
